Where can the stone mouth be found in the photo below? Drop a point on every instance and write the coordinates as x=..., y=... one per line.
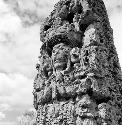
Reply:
x=75, y=55
x=59, y=61
x=88, y=116
x=59, y=58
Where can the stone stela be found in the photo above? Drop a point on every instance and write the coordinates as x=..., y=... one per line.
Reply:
x=79, y=78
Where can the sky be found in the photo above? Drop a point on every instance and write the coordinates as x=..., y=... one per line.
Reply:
x=20, y=22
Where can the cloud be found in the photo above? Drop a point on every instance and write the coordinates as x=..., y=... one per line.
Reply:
x=19, y=49
x=113, y=6
x=19, y=54
x=2, y=116
x=31, y=11
x=15, y=93
x=9, y=21
x=5, y=107
x=17, y=43
x=8, y=123
x=14, y=87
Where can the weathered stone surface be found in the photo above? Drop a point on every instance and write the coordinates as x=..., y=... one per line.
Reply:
x=79, y=78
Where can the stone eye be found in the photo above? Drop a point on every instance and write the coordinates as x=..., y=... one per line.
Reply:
x=53, y=51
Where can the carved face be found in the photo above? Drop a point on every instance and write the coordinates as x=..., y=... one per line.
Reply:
x=104, y=110
x=45, y=65
x=91, y=36
x=86, y=107
x=60, y=54
x=75, y=55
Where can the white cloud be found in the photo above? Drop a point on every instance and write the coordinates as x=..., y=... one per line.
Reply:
x=8, y=123
x=113, y=6
x=17, y=43
x=19, y=54
x=32, y=11
x=2, y=116
x=15, y=94
x=14, y=88
x=9, y=21
x=5, y=107
x=19, y=49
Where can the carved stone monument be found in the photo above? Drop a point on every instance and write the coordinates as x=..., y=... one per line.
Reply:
x=79, y=78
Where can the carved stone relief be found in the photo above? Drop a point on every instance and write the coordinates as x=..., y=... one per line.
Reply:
x=79, y=79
